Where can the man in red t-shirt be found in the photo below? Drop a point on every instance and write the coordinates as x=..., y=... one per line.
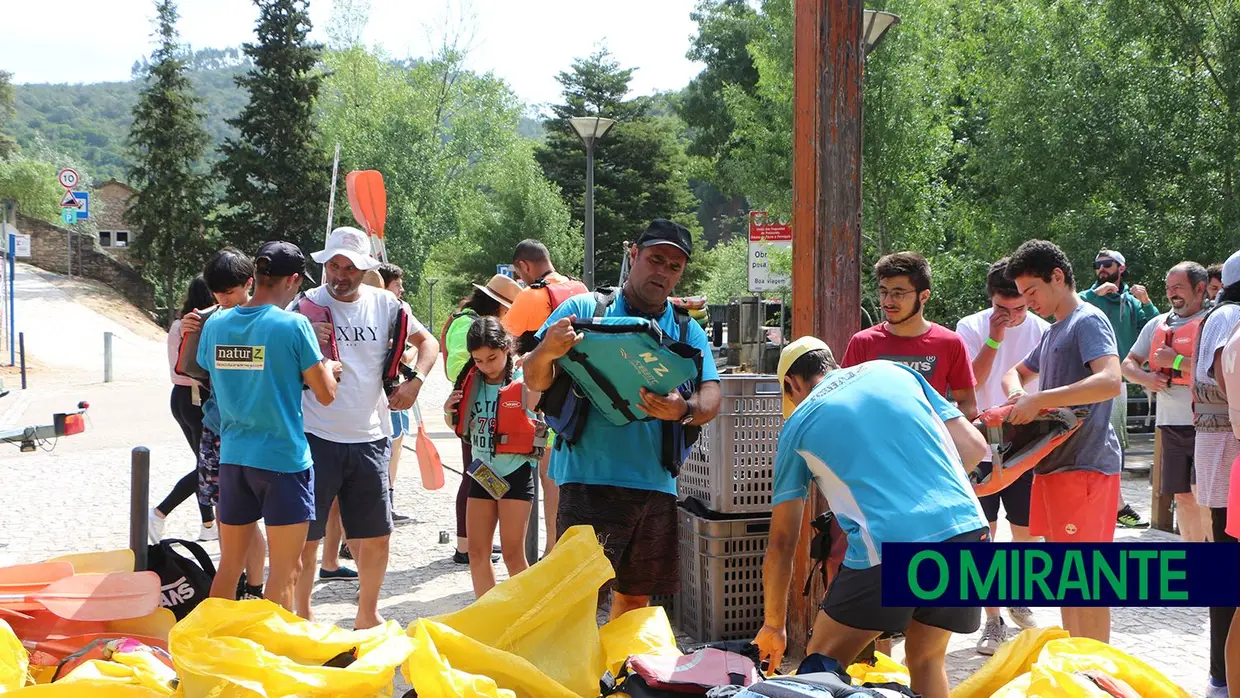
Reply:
x=932, y=350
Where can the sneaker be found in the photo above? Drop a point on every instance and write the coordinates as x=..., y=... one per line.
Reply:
x=1023, y=617
x=338, y=573
x=344, y=552
x=207, y=534
x=399, y=519
x=155, y=527
x=993, y=635
x=461, y=558
x=1129, y=518
x=249, y=593
x=1216, y=690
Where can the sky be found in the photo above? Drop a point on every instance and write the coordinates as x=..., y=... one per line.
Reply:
x=525, y=42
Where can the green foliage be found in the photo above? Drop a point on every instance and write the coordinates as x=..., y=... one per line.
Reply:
x=730, y=263
x=92, y=121
x=166, y=141
x=725, y=30
x=641, y=170
x=276, y=177
x=32, y=184
x=1103, y=124
x=8, y=146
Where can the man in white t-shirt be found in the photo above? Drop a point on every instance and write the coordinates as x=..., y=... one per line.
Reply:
x=998, y=338
x=1166, y=344
x=350, y=441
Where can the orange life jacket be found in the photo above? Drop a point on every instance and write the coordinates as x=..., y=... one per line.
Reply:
x=1182, y=340
x=561, y=291
x=512, y=430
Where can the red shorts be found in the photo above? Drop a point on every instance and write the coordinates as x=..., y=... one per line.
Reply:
x=1074, y=507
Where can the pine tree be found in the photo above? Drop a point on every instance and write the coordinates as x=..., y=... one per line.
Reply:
x=166, y=141
x=639, y=167
x=276, y=177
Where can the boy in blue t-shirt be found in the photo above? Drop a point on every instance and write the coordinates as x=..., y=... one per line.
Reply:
x=890, y=455
x=259, y=356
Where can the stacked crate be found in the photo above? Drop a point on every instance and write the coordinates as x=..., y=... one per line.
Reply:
x=731, y=471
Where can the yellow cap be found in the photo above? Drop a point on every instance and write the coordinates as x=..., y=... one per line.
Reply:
x=789, y=355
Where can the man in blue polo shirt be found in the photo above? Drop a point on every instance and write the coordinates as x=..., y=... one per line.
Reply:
x=259, y=356
x=613, y=478
x=890, y=455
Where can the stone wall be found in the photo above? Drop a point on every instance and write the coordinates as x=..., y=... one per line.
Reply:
x=48, y=251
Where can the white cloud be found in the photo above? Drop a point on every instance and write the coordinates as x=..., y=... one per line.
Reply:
x=526, y=42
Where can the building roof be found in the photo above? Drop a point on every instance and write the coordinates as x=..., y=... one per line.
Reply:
x=118, y=183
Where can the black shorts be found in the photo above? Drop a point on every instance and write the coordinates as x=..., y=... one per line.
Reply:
x=279, y=499
x=357, y=474
x=855, y=599
x=638, y=529
x=520, y=486
x=1178, y=473
x=1015, y=498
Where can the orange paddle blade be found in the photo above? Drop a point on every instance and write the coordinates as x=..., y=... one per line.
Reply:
x=120, y=560
x=42, y=625
x=27, y=579
x=96, y=596
x=367, y=200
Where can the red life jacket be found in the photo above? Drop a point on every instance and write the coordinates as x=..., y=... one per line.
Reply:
x=512, y=430
x=1182, y=340
x=557, y=293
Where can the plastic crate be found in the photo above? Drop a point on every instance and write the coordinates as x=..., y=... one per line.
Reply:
x=721, y=577
x=731, y=467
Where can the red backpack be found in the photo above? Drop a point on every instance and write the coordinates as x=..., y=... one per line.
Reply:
x=562, y=291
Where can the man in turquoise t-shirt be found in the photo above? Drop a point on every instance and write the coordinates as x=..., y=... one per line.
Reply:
x=613, y=478
x=889, y=453
x=258, y=356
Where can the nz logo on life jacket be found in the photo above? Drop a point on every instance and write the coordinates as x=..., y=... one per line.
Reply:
x=924, y=365
x=650, y=366
x=238, y=358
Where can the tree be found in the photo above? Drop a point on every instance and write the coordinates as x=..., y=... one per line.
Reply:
x=276, y=175
x=32, y=184
x=725, y=30
x=8, y=146
x=641, y=170
x=166, y=141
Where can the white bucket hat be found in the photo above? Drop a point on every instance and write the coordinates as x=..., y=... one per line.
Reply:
x=350, y=243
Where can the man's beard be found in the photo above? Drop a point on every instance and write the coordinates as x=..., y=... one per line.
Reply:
x=912, y=313
x=1108, y=277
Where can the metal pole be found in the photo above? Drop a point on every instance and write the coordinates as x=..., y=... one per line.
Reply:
x=531, y=532
x=432, y=283
x=21, y=340
x=12, y=285
x=139, y=484
x=68, y=252
x=107, y=357
x=587, y=268
x=331, y=199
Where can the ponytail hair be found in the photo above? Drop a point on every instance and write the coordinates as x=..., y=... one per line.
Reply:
x=486, y=332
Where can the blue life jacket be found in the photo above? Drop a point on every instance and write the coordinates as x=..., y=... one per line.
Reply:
x=608, y=368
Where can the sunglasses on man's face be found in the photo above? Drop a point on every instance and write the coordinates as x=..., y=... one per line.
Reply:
x=1104, y=264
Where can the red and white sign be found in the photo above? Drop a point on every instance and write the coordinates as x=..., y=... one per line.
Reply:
x=68, y=178
x=765, y=235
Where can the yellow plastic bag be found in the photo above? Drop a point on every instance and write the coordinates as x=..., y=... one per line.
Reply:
x=1013, y=658
x=885, y=670
x=536, y=634
x=125, y=668
x=244, y=649
x=86, y=689
x=642, y=631
x=1081, y=654
x=13, y=660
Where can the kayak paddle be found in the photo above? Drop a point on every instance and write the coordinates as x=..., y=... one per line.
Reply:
x=27, y=579
x=97, y=597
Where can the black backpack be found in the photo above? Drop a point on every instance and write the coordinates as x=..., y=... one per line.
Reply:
x=184, y=583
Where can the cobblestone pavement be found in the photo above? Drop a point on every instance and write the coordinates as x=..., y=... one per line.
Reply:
x=76, y=498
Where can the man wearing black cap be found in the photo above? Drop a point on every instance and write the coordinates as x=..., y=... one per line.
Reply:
x=259, y=356
x=613, y=478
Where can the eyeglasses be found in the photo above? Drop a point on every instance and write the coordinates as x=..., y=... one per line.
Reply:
x=1104, y=263
x=896, y=295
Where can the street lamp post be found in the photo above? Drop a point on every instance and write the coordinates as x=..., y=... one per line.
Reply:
x=431, y=281
x=591, y=129
x=874, y=27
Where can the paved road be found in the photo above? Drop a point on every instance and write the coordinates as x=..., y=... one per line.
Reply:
x=75, y=498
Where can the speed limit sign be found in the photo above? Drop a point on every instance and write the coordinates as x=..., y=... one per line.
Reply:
x=68, y=178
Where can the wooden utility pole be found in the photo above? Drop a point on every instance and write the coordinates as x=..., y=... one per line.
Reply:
x=826, y=215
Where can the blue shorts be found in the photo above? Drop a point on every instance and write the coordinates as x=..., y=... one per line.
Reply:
x=400, y=423
x=279, y=499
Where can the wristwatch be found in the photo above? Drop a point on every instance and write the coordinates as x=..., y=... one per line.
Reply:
x=688, y=418
x=410, y=373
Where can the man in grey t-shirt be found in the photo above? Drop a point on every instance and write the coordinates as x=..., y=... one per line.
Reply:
x=1166, y=344
x=1076, y=487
